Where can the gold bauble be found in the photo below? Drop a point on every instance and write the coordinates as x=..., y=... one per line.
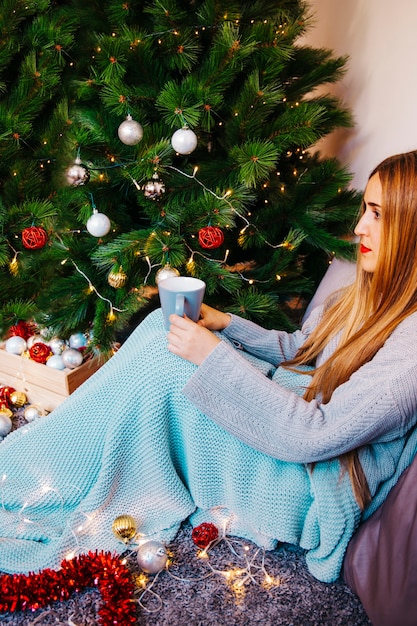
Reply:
x=6, y=411
x=124, y=528
x=18, y=398
x=117, y=279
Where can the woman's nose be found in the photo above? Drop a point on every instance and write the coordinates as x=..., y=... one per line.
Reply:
x=360, y=227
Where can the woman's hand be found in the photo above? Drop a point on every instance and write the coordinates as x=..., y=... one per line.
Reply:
x=190, y=340
x=212, y=318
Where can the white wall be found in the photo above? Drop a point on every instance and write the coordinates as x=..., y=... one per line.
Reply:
x=380, y=86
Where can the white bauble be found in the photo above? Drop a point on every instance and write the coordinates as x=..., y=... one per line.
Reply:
x=98, y=224
x=130, y=132
x=184, y=140
x=16, y=345
x=72, y=358
x=56, y=362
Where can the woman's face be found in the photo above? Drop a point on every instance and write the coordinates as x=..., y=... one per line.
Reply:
x=368, y=229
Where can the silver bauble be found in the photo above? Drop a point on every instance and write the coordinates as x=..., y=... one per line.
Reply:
x=165, y=272
x=35, y=339
x=184, y=140
x=16, y=345
x=130, y=132
x=98, y=224
x=71, y=358
x=152, y=557
x=56, y=362
x=32, y=412
x=5, y=423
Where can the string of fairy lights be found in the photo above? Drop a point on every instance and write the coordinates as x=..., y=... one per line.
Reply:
x=293, y=238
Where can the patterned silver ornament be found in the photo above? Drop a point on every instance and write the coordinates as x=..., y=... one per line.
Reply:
x=152, y=557
x=77, y=174
x=130, y=132
x=154, y=188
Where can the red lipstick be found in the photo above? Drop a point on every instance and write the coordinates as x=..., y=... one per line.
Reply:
x=364, y=249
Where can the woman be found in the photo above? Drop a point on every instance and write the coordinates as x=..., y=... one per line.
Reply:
x=210, y=427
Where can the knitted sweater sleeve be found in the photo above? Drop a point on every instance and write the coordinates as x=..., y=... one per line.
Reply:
x=273, y=346
x=378, y=403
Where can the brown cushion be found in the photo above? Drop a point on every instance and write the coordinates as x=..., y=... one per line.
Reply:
x=380, y=564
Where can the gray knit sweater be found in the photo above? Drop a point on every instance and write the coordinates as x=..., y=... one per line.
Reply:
x=377, y=405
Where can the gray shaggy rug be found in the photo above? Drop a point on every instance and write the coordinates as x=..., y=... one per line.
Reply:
x=198, y=592
x=272, y=588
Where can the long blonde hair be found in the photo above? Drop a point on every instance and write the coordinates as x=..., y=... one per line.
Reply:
x=367, y=312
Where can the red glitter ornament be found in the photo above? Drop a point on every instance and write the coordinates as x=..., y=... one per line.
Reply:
x=5, y=393
x=204, y=534
x=40, y=352
x=210, y=237
x=22, y=329
x=30, y=592
x=34, y=237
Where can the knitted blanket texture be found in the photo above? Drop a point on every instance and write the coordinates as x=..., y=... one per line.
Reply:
x=129, y=442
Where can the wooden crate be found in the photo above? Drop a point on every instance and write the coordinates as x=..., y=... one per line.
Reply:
x=42, y=385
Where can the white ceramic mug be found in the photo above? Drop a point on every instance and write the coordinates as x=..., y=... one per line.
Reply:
x=182, y=295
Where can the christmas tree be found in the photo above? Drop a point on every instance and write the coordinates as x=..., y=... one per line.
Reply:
x=143, y=139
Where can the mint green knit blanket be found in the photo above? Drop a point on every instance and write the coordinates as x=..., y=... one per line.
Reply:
x=128, y=441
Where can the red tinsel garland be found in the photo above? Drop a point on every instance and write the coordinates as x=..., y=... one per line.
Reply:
x=30, y=592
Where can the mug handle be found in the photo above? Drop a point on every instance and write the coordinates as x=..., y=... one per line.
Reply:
x=179, y=305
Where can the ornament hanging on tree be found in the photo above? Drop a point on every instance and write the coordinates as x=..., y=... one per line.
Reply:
x=78, y=174
x=98, y=224
x=117, y=278
x=184, y=140
x=130, y=132
x=154, y=188
x=210, y=237
x=34, y=237
x=165, y=272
